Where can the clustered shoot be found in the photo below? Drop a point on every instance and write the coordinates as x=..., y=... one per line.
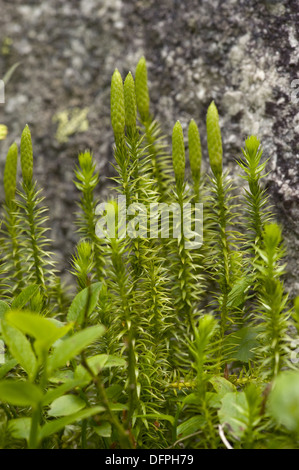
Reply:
x=165, y=344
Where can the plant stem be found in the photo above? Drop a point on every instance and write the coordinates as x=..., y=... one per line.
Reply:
x=35, y=420
x=124, y=436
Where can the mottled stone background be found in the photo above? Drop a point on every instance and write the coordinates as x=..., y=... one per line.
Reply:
x=242, y=54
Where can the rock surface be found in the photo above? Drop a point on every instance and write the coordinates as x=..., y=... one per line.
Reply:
x=243, y=54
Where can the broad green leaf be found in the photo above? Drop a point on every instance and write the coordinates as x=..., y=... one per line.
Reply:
x=57, y=392
x=104, y=430
x=237, y=294
x=222, y=386
x=21, y=300
x=192, y=399
x=118, y=406
x=56, y=425
x=66, y=405
x=284, y=400
x=20, y=428
x=190, y=426
x=20, y=393
x=213, y=400
x=232, y=411
x=82, y=374
x=114, y=391
x=61, y=376
x=87, y=297
x=7, y=367
x=20, y=348
x=241, y=344
x=3, y=308
x=73, y=345
x=45, y=331
x=97, y=363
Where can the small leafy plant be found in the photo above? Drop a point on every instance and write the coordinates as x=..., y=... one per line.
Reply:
x=165, y=344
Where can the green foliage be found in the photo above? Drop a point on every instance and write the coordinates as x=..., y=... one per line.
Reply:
x=26, y=156
x=12, y=229
x=117, y=104
x=31, y=216
x=10, y=173
x=296, y=313
x=241, y=414
x=164, y=344
x=272, y=310
x=283, y=400
x=89, y=263
x=142, y=94
x=156, y=146
x=256, y=198
x=195, y=155
x=214, y=140
x=178, y=153
x=130, y=102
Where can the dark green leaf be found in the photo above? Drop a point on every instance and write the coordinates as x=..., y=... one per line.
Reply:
x=190, y=426
x=284, y=400
x=44, y=330
x=20, y=348
x=66, y=405
x=73, y=345
x=58, y=424
x=89, y=296
x=23, y=298
x=20, y=393
x=20, y=428
x=222, y=386
x=241, y=344
x=104, y=430
x=7, y=367
x=54, y=393
x=231, y=412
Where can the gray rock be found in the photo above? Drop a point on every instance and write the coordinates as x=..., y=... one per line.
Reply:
x=242, y=54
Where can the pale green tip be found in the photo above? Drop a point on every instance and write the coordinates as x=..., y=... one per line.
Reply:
x=130, y=101
x=272, y=236
x=214, y=139
x=178, y=152
x=117, y=102
x=3, y=131
x=86, y=161
x=84, y=249
x=142, y=94
x=26, y=155
x=252, y=146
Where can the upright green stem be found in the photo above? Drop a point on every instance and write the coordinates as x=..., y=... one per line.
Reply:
x=224, y=281
x=159, y=175
x=13, y=246
x=124, y=436
x=36, y=415
x=185, y=270
x=87, y=180
x=35, y=421
x=39, y=275
x=120, y=279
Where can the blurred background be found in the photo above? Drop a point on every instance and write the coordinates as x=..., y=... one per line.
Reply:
x=243, y=54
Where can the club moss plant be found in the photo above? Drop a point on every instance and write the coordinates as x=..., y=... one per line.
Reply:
x=162, y=345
